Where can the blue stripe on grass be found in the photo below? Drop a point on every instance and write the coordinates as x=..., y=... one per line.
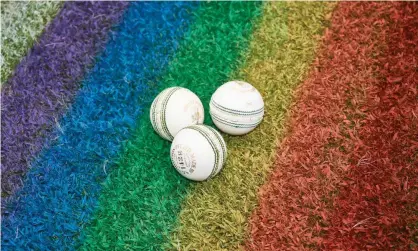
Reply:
x=61, y=190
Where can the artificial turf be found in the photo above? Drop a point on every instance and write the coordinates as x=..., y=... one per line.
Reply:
x=376, y=206
x=45, y=82
x=343, y=175
x=61, y=189
x=142, y=196
x=327, y=192
x=21, y=25
x=215, y=214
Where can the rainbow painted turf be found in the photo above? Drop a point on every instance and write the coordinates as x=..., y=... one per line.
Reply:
x=82, y=167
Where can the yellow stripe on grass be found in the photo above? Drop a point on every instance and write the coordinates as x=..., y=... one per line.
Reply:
x=215, y=214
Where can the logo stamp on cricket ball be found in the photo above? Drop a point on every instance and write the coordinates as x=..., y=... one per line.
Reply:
x=183, y=159
x=195, y=109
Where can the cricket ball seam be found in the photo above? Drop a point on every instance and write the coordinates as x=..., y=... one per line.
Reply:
x=165, y=129
x=212, y=145
x=153, y=113
x=222, y=144
x=231, y=123
x=236, y=112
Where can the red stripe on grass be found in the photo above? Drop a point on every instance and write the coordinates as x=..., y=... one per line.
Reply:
x=313, y=160
x=377, y=206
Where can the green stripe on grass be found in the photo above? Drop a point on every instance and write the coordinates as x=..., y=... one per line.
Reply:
x=142, y=196
x=215, y=214
x=21, y=25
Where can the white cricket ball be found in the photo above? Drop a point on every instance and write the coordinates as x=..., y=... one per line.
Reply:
x=236, y=107
x=174, y=109
x=198, y=152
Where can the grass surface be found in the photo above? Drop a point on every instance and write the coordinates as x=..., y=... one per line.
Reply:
x=377, y=204
x=21, y=25
x=326, y=191
x=61, y=190
x=343, y=177
x=215, y=213
x=142, y=196
x=46, y=82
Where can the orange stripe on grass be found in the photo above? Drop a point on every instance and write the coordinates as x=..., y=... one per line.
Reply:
x=377, y=206
x=313, y=159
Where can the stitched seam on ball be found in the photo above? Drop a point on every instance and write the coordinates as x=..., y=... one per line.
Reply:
x=232, y=111
x=218, y=150
x=153, y=113
x=221, y=142
x=156, y=118
x=163, y=117
x=211, y=143
x=215, y=150
x=222, y=145
x=219, y=137
x=206, y=129
x=164, y=95
x=236, y=123
x=236, y=111
x=215, y=117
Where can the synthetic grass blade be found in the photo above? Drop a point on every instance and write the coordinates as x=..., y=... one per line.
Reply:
x=21, y=25
x=62, y=188
x=214, y=215
x=377, y=205
x=296, y=204
x=142, y=197
x=46, y=81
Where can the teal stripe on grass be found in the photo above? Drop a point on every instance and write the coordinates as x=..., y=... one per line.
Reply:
x=141, y=199
x=61, y=189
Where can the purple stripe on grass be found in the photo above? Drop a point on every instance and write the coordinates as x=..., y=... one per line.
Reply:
x=46, y=81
